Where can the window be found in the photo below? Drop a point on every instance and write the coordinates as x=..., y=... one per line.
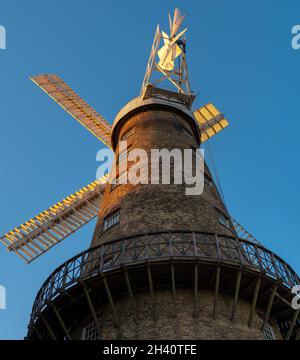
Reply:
x=111, y=220
x=124, y=154
x=223, y=219
x=128, y=133
x=121, y=179
x=268, y=332
x=90, y=332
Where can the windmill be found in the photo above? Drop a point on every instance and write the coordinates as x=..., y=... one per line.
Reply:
x=144, y=233
x=40, y=233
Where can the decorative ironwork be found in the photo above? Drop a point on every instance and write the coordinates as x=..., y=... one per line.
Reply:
x=243, y=233
x=203, y=247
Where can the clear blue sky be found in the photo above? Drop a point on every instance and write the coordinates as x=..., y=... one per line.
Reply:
x=240, y=58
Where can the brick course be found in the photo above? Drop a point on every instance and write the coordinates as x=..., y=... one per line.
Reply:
x=146, y=208
x=150, y=208
x=184, y=326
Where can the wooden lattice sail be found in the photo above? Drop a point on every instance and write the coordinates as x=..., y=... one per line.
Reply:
x=39, y=234
x=60, y=92
x=210, y=120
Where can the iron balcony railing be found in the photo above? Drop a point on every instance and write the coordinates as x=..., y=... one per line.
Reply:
x=163, y=246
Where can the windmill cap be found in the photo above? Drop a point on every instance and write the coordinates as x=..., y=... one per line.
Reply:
x=139, y=104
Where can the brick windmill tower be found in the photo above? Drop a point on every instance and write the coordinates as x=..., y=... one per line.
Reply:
x=162, y=264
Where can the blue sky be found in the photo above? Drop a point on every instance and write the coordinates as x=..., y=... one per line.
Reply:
x=240, y=58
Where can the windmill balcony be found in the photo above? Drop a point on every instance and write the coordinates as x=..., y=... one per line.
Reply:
x=172, y=260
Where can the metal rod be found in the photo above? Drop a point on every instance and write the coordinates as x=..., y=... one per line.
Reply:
x=212, y=277
x=283, y=300
x=236, y=294
x=92, y=309
x=254, y=301
x=152, y=292
x=111, y=302
x=196, y=290
x=269, y=307
x=129, y=288
x=173, y=290
x=62, y=324
x=48, y=327
x=292, y=324
x=217, y=286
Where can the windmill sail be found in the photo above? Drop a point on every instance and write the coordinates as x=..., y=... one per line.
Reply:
x=50, y=227
x=167, y=54
x=59, y=91
x=210, y=120
x=177, y=21
x=171, y=66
